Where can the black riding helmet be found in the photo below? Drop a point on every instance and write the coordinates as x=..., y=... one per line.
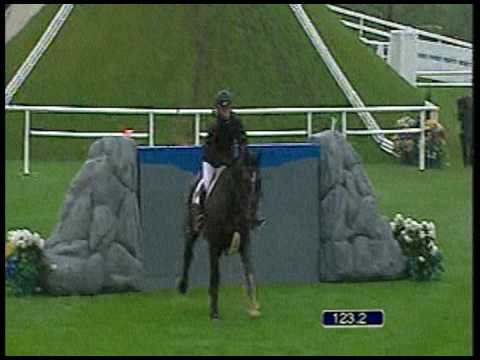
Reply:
x=223, y=98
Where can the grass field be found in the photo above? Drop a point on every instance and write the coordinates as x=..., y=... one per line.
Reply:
x=421, y=318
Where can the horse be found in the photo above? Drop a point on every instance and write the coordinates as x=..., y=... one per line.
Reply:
x=229, y=212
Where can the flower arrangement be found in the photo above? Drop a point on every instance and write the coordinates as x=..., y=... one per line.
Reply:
x=24, y=262
x=418, y=243
x=406, y=145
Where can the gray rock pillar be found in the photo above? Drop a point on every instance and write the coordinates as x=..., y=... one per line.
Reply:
x=97, y=244
x=356, y=243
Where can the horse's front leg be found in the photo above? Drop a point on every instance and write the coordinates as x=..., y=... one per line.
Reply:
x=253, y=306
x=190, y=238
x=214, y=282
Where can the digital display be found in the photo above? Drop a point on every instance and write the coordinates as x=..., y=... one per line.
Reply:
x=353, y=318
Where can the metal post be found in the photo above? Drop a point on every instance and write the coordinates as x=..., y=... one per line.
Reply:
x=197, y=129
x=309, y=125
x=26, y=144
x=434, y=115
x=421, y=152
x=344, y=124
x=333, y=123
x=151, y=129
x=361, y=27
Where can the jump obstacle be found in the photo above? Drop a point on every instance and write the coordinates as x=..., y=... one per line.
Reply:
x=284, y=250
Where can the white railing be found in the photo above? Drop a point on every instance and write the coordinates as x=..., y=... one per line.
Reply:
x=362, y=18
x=37, y=52
x=340, y=78
x=434, y=51
x=151, y=113
x=425, y=73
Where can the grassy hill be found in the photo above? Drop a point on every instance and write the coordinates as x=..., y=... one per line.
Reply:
x=180, y=56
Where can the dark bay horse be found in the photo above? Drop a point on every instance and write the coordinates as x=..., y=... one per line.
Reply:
x=229, y=211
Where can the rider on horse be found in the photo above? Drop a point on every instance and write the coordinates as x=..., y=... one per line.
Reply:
x=226, y=140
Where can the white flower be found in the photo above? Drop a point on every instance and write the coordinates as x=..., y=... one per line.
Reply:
x=416, y=226
x=53, y=267
x=21, y=243
x=38, y=241
x=392, y=225
x=434, y=250
x=24, y=238
x=408, y=239
x=421, y=259
x=398, y=218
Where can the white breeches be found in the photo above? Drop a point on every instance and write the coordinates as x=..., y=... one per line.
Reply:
x=208, y=173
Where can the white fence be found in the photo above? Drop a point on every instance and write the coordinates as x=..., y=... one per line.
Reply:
x=434, y=52
x=196, y=113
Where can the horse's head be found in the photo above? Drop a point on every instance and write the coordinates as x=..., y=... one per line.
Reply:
x=248, y=183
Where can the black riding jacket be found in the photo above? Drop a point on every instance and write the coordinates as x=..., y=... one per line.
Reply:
x=222, y=135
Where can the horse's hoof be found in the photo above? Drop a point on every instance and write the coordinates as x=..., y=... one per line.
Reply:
x=253, y=313
x=182, y=286
x=257, y=305
x=214, y=317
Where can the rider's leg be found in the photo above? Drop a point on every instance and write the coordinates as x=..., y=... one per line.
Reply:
x=197, y=209
x=208, y=172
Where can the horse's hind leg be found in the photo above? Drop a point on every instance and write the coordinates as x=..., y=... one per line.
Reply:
x=253, y=305
x=214, y=282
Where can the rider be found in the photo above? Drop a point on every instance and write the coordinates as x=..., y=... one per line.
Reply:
x=225, y=140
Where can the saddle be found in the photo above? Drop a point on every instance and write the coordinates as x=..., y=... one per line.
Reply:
x=198, y=210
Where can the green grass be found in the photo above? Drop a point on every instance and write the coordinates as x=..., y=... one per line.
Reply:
x=421, y=318
x=180, y=56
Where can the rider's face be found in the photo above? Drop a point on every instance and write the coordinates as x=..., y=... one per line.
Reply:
x=224, y=112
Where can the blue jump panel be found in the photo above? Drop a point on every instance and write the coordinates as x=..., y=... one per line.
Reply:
x=285, y=250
